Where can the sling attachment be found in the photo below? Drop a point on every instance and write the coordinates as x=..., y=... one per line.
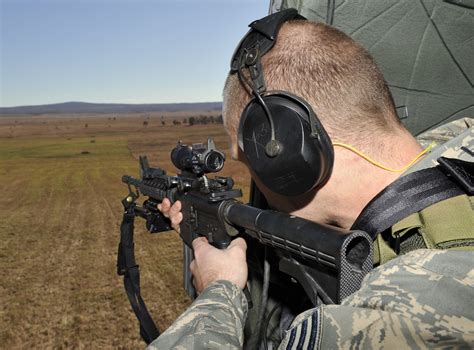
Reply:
x=461, y=171
x=128, y=268
x=409, y=194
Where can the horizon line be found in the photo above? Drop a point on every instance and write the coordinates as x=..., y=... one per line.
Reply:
x=108, y=103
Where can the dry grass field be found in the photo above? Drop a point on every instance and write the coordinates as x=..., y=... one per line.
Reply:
x=59, y=227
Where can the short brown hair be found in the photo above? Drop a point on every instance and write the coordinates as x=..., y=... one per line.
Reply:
x=333, y=73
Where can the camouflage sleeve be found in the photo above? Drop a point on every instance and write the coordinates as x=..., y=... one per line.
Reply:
x=445, y=132
x=452, y=140
x=215, y=320
x=421, y=300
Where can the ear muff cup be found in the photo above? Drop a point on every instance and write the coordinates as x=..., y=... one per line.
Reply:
x=304, y=162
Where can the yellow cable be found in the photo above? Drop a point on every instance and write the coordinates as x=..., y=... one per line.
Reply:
x=370, y=160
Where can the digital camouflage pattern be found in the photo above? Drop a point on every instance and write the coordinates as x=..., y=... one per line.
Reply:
x=215, y=320
x=452, y=140
x=423, y=299
x=417, y=301
x=446, y=132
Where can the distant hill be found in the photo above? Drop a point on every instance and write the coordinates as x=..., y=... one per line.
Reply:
x=84, y=107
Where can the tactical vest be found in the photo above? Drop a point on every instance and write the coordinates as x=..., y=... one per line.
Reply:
x=448, y=224
x=430, y=206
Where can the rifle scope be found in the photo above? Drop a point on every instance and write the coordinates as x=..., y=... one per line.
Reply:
x=198, y=158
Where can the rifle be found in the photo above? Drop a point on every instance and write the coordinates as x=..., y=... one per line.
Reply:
x=328, y=262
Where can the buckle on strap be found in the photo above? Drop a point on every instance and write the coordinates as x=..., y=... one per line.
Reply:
x=461, y=171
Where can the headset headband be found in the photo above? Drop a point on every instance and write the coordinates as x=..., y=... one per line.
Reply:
x=257, y=42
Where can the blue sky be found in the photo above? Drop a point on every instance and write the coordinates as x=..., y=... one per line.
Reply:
x=122, y=51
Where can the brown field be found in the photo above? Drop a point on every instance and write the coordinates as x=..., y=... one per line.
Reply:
x=59, y=228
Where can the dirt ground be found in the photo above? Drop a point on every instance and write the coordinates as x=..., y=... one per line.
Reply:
x=59, y=227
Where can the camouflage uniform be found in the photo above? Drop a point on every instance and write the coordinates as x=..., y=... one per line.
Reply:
x=452, y=140
x=215, y=320
x=423, y=299
x=419, y=300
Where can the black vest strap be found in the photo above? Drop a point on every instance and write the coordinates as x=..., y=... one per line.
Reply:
x=127, y=267
x=407, y=195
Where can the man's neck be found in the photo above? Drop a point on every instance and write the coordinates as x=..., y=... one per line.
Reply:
x=356, y=181
x=353, y=184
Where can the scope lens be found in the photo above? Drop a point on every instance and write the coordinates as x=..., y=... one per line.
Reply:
x=181, y=156
x=214, y=161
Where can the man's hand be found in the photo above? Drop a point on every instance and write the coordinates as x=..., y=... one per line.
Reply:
x=211, y=264
x=172, y=211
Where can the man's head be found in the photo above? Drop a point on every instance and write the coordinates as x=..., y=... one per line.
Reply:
x=336, y=76
x=347, y=91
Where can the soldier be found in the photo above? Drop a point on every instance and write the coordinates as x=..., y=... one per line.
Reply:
x=421, y=294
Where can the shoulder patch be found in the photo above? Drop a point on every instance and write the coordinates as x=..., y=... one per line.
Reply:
x=305, y=335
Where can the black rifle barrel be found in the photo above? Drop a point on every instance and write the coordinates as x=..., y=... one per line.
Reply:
x=320, y=243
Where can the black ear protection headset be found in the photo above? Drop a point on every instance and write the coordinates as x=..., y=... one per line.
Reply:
x=283, y=140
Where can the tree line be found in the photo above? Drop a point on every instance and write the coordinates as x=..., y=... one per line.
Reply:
x=204, y=119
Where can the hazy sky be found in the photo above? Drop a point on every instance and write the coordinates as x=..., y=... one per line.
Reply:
x=123, y=51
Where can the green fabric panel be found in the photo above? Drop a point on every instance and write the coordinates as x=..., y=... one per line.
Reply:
x=428, y=240
x=411, y=222
x=448, y=224
x=449, y=220
x=382, y=251
x=424, y=49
